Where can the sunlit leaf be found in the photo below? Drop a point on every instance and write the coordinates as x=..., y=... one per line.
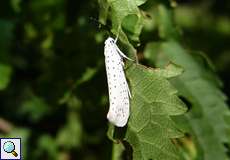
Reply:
x=150, y=127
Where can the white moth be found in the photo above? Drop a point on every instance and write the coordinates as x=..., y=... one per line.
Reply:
x=118, y=87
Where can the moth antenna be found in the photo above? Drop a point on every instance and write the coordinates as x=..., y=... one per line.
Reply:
x=119, y=28
x=123, y=55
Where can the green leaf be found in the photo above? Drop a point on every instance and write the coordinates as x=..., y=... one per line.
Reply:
x=118, y=149
x=34, y=108
x=150, y=127
x=208, y=106
x=72, y=129
x=140, y=2
x=132, y=26
x=89, y=73
x=127, y=21
x=123, y=13
x=104, y=8
x=166, y=27
x=120, y=9
x=16, y=5
x=46, y=146
x=5, y=74
x=171, y=70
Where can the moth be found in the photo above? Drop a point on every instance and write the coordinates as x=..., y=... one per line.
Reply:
x=119, y=92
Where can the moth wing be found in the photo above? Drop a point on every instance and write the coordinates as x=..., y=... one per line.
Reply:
x=118, y=93
x=119, y=106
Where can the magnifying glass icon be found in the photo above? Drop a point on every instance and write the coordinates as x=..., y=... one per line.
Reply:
x=9, y=147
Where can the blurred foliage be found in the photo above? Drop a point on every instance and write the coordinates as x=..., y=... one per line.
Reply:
x=53, y=87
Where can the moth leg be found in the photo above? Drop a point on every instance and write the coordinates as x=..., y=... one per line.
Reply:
x=122, y=63
x=127, y=87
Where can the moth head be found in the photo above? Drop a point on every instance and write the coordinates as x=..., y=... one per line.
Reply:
x=109, y=40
